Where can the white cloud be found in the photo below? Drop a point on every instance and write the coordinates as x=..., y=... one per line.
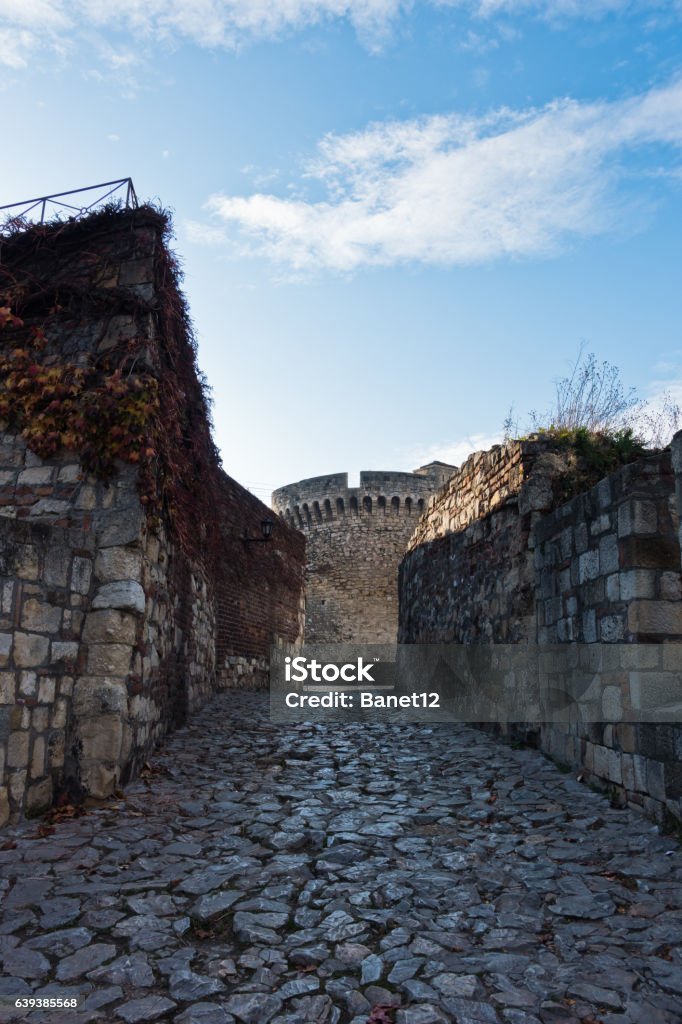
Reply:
x=16, y=47
x=230, y=23
x=454, y=190
x=204, y=234
x=452, y=452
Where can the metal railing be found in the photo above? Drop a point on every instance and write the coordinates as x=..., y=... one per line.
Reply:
x=46, y=206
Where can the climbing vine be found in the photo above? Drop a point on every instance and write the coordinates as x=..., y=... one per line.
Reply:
x=105, y=416
x=141, y=401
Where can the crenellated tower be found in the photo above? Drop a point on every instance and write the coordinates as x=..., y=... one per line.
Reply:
x=355, y=540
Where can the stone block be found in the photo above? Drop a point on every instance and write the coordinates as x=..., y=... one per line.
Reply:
x=100, y=780
x=110, y=626
x=96, y=696
x=81, y=574
x=670, y=586
x=39, y=719
x=38, y=758
x=17, y=750
x=86, y=498
x=49, y=507
x=30, y=649
x=659, y=552
x=662, y=617
x=5, y=648
x=59, y=714
x=27, y=566
x=604, y=493
x=601, y=761
x=655, y=779
x=100, y=739
x=599, y=524
x=589, y=624
x=28, y=684
x=637, y=516
x=69, y=474
x=627, y=737
x=38, y=476
x=611, y=629
x=612, y=706
x=40, y=617
x=109, y=659
x=55, y=751
x=637, y=583
x=121, y=563
x=137, y=271
x=124, y=528
x=613, y=587
x=615, y=772
x=16, y=783
x=121, y=327
x=4, y=806
x=639, y=765
x=628, y=770
x=588, y=566
x=127, y=595
x=39, y=796
x=56, y=569
x=64, y=651
x=580, y=538
x=46, y=690
x=608, y=554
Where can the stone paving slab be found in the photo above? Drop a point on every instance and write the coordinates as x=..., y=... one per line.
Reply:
x=344, y=874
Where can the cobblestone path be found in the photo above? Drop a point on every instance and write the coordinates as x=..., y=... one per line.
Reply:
x=348, y=873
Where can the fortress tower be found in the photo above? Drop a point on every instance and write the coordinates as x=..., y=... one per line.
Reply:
x=355, y=540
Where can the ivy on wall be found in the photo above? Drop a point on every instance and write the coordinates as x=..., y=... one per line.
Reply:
x=142, y=400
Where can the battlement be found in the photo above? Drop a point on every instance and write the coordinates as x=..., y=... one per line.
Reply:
x=355, y=539
x=322, y=499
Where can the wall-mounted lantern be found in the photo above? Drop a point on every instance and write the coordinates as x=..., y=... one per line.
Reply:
x=266, y=532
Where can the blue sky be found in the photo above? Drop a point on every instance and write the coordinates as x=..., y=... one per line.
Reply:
x=396, y=219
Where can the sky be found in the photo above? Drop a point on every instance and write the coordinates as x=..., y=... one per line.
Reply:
x=397, y=219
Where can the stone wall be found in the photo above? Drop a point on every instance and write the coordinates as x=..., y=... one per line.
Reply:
x=113, y=627
x=608, y=571
x=468, y=575
x=602, y=567
x=356, y=537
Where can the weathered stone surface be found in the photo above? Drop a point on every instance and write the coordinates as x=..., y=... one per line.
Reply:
x=30, y=649
x=127, y=595
x=500, y=911
x=113, y=564
x=204, y=1013
x=40, y=617
x=110, y=626
x=109, y=659
x=187, y=986
x=94, y=696
x=21, y=962
x=84, y=960
x=147, y=1008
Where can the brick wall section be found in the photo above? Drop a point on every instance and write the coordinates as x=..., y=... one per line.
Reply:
x=110, y=634
x=355, y=538
x=260, y=589
x=602, y=567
